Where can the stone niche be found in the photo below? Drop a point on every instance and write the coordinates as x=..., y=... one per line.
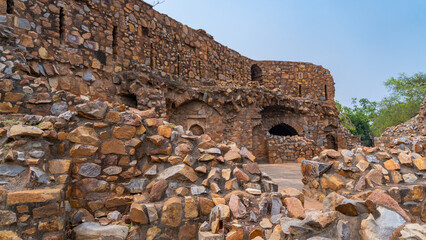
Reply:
x=198, y=117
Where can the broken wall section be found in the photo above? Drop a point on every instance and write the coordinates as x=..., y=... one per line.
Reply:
x=103, y=37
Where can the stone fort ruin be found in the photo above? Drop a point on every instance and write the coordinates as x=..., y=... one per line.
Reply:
x=117, y=122
x=124, y=51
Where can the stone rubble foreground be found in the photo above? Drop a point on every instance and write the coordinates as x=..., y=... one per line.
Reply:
x=77, y=178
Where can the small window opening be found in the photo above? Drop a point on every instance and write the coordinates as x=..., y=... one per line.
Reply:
x=9, y=6
x=217, y=72
x=197, y=130
x=331, y=142
x=325, y=92
x=61, y=23
x=300, y=90
x=145, y=31
x=129, y=100
x=114, y=41
x=101, y=56
x=283, y=130
x=256, y=73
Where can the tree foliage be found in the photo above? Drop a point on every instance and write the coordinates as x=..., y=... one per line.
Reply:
x=406, y=95
x=357, y=118
x=367, y=118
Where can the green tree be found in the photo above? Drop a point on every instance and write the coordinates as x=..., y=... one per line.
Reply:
x=406, y=95
x=358, y=118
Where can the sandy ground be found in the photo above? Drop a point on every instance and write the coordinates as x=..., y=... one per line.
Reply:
x=289, y=175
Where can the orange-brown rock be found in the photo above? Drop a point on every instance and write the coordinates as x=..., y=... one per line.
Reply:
x=84, y=135
x=165, y=131
x=137, y=214
x=420, y=163
x=172, y=212
x=79, y=150
x=22, y=130
x=294, y=207
x=113, y=146
x=391, y=165
x=206, y=205
x=124, y=132
x=158, y=190
x=242, y=176
x=59, y=166
x=34, y=196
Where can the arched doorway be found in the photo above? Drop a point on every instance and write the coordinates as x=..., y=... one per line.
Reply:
x=197, y=130
x=283, y=130
x=331, y=142
x=256, y=73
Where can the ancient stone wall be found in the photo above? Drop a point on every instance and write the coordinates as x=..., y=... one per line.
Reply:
x=304, y=80
x=125, y=52
x=104, y=161
x=290, y=149
x=112, y=36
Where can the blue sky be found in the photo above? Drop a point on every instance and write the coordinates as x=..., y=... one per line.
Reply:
x=362, y=42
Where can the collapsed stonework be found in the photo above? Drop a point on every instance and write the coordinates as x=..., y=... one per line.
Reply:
x=124, y=51
x=120, y=123
x=383, y=186
x=411, y=131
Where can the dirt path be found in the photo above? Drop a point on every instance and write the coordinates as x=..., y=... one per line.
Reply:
x=289, y=175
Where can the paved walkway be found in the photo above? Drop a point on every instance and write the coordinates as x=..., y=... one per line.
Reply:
x=285, y=175
x=289, y=175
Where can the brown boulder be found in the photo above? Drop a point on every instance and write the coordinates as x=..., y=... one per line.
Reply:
x=242, y=176
x=158, y=190
x=165, y=131
x=232, y=156
x=22, y=130
x=84, y=135
x=381, y=198
x=137, y=214
x=113, y=146
x=124, y=132
x=294, y=207
x=92, y=110
x=180, y=172
x=172, y=212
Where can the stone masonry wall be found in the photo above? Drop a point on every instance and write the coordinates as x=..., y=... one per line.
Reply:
x=107, y=161
x=113, y=36
x=52, y=62
x=284, y=149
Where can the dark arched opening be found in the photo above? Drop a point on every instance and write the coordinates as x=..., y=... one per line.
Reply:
x=256, y=73
x=283, y=130
x=129, y=100
x=331, y=142
x=197, y=130
x=9, y=6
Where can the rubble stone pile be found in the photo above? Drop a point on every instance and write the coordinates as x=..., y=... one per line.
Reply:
x=414, y=129
x=386, y=184
x=116, y=166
